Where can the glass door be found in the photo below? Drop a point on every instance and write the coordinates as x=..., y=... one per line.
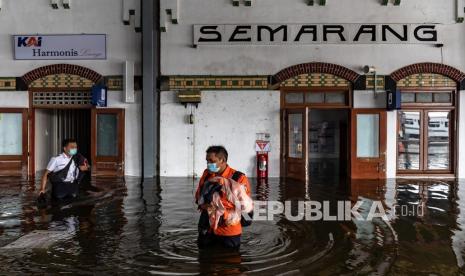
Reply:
x=425, y=141
x=368, y=144
x=108, y=142
x=438, y=154
x=13, y=142
x=296, y=157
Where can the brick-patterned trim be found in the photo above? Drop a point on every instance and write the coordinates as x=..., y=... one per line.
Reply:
x=61, y=69
x=314, y=67
x=428, y=67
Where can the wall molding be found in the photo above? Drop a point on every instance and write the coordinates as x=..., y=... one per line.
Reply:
x=214, y=82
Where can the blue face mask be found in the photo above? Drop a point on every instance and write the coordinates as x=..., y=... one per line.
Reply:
x=212, y=167
x=72, y=152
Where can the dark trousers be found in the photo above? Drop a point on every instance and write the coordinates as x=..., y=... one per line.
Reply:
x=62, y=190
x=209, y=239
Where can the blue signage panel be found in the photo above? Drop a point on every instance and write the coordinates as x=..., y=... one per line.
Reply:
x=99, y=95
x=393, y=100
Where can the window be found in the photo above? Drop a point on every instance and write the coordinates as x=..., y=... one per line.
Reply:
x=424, y=141
x=295, y=135
x=11, y=132
x=433, y=98
x=320, y=98
x=367, y=135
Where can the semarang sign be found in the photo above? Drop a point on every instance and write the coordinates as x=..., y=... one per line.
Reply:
x=279, y=34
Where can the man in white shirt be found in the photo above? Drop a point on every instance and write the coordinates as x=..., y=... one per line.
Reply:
x=63, y=171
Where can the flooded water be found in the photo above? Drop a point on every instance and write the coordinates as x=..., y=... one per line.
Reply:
x=151, y=228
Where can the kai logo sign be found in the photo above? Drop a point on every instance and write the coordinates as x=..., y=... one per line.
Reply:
x=29, y=41
x=60, y=47
x=288, y=34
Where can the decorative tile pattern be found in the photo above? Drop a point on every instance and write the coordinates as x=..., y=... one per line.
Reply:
x=428, y=67
x=61, y=81
x=68, y=98
x=370, y=81
x=70, y=69
x=114, y=82
x=316, y=80
x=426, y=80
x=7, y=84
x=312, y=68
x=204, y=82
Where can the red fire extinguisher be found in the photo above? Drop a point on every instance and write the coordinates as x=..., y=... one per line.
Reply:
x=262, y=165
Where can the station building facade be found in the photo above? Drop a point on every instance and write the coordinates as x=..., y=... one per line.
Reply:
x=43, y=100
x=316, y=77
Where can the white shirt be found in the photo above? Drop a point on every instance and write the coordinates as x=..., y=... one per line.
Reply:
x=59, y=162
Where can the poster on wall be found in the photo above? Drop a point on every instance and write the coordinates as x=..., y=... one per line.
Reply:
x=60, y=47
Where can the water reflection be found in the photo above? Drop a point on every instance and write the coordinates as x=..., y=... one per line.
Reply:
x=142, y=227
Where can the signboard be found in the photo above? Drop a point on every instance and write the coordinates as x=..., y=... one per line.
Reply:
x=290, y=34
x=393, y=100
x=99, y=96
x=262, y=146
x=60, y=47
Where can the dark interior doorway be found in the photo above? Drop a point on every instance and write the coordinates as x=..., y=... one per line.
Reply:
x=328, y=144
x=54, y=125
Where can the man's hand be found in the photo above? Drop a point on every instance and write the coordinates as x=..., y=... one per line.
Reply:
x=84, y=168
x=43, y=182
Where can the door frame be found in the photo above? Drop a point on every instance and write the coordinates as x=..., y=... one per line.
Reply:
x=304, y=111
x=32, y=136
x=25, y=139
x=423, y=155
x=382, y=140
x=308, y=106
x=121, y=142
x=452, y=107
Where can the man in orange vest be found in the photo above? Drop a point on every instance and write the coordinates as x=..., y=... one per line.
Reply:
x=217, y=166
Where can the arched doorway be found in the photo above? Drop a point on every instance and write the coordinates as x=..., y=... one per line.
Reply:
x=60, y=107
x=427, y=120
x=316, y=99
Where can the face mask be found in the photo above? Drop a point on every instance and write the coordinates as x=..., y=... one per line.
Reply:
x=212, y=167
x=72, y=152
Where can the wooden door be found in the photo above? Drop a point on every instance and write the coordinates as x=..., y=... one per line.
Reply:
x=107, y=148
x=368, y=144
x=296, y=137
x=13, y=142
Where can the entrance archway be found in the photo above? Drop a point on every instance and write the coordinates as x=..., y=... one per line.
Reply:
x=316, y=107
x=426, y=122
x=60, y=107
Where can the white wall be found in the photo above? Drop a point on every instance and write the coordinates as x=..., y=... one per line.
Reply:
x=133, y=131
x=43, y=139
x=14, y=99
x=268, y=60
x=228, y=118
x=85, y=16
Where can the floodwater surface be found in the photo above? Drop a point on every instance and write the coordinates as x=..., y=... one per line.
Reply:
x=150, y=227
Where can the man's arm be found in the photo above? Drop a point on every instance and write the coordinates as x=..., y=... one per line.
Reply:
x=51, y=166
x=199, y=190
x=43, y=183
x=245, y=181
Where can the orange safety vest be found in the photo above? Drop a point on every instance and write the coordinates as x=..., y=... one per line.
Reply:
x=224, y=230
